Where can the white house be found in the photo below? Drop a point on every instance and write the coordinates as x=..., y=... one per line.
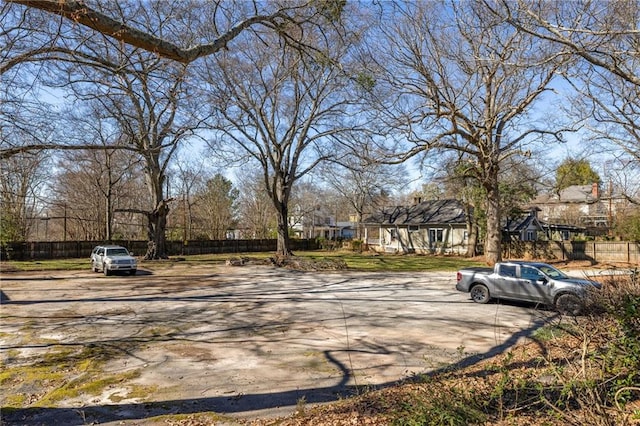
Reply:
x=437, y=226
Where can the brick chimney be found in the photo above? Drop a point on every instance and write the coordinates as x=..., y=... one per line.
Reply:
x=595, y=190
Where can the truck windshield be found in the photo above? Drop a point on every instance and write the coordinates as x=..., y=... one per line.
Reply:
x=552, y=272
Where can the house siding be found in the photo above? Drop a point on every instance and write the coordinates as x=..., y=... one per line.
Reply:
x=402, y=240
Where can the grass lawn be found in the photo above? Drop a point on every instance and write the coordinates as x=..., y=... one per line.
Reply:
x=355, y=261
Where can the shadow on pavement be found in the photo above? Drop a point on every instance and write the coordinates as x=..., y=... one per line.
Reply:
x=236, y=405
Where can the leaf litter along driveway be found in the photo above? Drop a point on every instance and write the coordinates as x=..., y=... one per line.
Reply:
x=249, y=341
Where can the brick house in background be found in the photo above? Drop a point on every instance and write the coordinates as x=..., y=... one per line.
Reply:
x=581, y=206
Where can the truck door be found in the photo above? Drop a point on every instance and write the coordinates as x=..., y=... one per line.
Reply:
x=507, y=282
x=531, y=286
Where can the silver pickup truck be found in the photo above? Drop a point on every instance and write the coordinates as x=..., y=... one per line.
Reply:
x=526, y=281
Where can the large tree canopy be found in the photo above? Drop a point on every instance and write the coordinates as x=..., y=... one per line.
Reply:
x=119, y=55
x=284, y=109
x=31, y=36
x=467, y=82
x=604, y=38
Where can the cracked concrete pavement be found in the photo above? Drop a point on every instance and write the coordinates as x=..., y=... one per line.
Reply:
x=248, y=341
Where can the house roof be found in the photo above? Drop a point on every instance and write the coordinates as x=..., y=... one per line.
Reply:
x=570, y=194
x=434, y=212
x=517, y=224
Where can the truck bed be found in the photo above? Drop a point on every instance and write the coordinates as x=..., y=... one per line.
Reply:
x=478, y=269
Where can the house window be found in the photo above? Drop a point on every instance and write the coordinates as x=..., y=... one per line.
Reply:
x=436, y=236
x=394, y=234
x=414, y=228
x=565, y=235
x=531, y=236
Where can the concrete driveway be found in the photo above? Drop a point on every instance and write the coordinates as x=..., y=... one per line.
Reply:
x=248, y=341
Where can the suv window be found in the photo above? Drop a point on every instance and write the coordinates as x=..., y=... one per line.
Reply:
x=118, y=252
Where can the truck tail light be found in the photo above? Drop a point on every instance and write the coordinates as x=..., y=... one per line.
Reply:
x=458, y=276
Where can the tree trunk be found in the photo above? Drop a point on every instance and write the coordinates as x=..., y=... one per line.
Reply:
x=472, y=241
x=157, y=223
x=109, y=217
x=284, y=242
x=359, y=224
x=157, y=219
x=493, y=243
x=472, y=230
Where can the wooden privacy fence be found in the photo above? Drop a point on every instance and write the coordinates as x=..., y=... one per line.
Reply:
x=80, y=249
x=595, y=251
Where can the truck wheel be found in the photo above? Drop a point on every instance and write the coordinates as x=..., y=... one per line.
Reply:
x=569, y=304
x=480, y=294
x=133, y=272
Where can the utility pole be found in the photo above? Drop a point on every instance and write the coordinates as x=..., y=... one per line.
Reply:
x=184, y=218
x=610, y=207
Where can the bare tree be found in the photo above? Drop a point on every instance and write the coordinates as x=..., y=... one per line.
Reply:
x=604, y=34
x=284, y=109
x=216, y=205
x=143, y=97
x=138, y=93
x=466, y=82
x=605, y=37
x=311, y=208
x=256, y=214
x=32, y=36
x=362, y=184
x=21, y=179
x=115, y=48
x=92, y=186
x=191, y=174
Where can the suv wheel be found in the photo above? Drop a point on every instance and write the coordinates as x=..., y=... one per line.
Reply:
x=106, y=271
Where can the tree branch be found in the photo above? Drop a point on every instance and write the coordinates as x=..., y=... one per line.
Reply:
x=80, y=13
x=10, y=152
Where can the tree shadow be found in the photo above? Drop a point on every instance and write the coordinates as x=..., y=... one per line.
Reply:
x=242, y=405
x=254, y=299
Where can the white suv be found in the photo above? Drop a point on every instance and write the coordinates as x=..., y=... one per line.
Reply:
x=109, y=259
